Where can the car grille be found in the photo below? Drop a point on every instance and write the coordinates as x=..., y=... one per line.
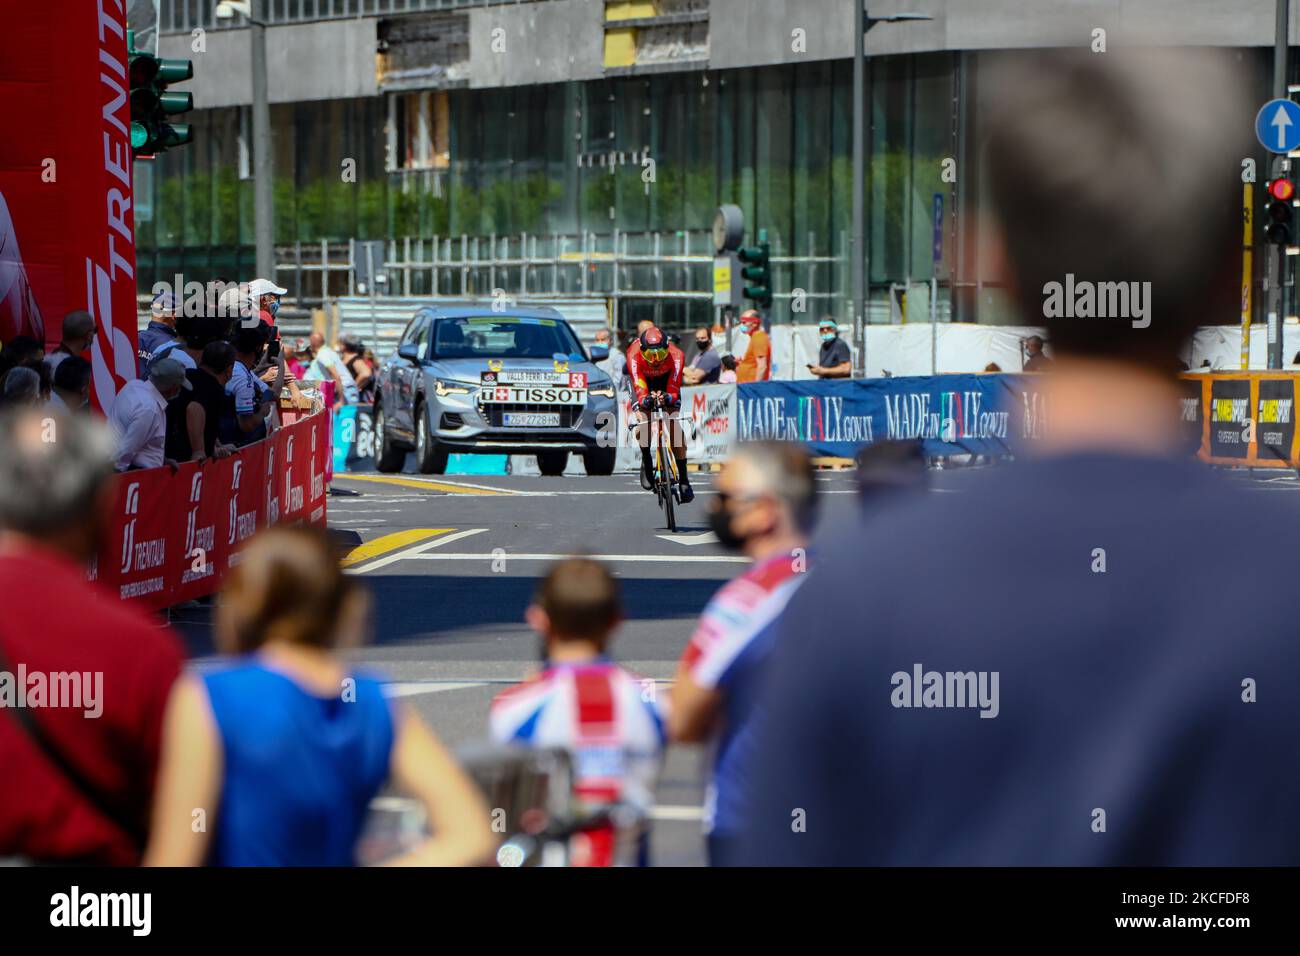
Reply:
x=495, y=413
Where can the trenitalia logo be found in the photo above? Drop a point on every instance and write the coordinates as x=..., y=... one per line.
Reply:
x=128, y=533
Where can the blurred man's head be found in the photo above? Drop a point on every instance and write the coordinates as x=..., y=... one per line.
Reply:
x=1116, y=186
x=22, y=386
x=703, y=338
x=168, y=376
x=72, y=381
x=885, y=468
x=1033, y=344
x=218, y=360
x=288, y=588
x=250, y=343
x=577, y=604
x=766, y=499
x=163, y=308
x=54, y=479
x=602, y=337
x=317, y=339
x=642, y=326
x=78, y=331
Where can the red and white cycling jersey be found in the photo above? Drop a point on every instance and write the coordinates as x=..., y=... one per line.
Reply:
x=606, y=718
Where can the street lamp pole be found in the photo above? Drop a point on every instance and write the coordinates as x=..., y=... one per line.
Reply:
x=263, y=194
x=859, y=175
x=862, y=22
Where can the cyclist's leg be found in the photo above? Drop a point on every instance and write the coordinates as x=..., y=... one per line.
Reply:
x=643, y=438
x=678, y=432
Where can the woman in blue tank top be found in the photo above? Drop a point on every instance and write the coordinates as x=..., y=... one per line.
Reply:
x=283, y=748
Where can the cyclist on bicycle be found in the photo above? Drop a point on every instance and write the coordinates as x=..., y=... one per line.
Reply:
x=655, y=367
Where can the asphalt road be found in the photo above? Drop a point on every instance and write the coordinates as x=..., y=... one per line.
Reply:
x=452, y=561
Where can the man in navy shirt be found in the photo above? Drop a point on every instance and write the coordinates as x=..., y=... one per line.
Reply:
x=160, y=331
x=1085, y=658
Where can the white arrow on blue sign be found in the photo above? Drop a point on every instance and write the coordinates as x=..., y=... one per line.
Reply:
x=1277, y=126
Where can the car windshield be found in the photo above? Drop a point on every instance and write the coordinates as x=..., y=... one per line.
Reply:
x=499, y=336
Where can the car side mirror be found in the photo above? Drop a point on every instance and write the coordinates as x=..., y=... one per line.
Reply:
x=599, y=353
x=409, y=351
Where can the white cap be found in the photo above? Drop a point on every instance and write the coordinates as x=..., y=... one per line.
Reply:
x=260, y=287
x=234, y=303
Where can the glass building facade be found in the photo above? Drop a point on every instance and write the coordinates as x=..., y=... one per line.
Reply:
x=568, y=159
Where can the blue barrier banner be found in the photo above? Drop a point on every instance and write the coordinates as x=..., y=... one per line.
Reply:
x=984, y=414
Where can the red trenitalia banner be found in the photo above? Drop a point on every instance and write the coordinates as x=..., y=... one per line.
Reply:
x=174, y=535
x=67, y=229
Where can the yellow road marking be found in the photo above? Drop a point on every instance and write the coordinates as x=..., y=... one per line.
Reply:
x=390, y=542
x=427, y=485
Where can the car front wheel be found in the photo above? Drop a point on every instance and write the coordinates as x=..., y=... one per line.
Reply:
x=387, y=457
x=429, y=455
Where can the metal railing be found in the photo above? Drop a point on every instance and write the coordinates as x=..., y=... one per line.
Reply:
x=619, y=266
x=182, y=16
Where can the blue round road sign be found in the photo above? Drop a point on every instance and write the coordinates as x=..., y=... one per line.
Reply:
x=1277, y=126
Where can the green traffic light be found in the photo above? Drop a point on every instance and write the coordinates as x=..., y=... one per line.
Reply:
x=172, y=102
x=139, y=136
x=175, y=71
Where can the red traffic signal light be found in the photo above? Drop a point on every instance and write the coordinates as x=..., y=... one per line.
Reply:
x=1282, y=190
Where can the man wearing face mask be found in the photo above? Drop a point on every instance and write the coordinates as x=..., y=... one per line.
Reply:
x=834, y=360
x=765, y=508
x=265, y=295
x=706, y=366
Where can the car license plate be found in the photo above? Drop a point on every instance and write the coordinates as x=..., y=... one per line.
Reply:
x=531, y=419
x=534, y=395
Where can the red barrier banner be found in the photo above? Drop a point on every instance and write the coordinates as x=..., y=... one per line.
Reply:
x=66, y=221
x=174, y=535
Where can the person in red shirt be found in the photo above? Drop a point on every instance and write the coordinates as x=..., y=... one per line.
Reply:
x=84, y=794
x=655, y=367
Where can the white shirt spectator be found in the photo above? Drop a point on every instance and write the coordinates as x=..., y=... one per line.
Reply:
x=57, y=404
x=326, y=359
x=139, y=420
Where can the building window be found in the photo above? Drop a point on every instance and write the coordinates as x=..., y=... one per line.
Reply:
x=418, y=131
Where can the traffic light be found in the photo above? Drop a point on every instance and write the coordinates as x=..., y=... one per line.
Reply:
x=152, y=104
x=1281, y=193
x=758, y=271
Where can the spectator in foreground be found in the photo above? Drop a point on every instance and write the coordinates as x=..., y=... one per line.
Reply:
x=728, y=374
x=78, y=332
x=70, y=388
x=285, y=746
x=585, y=703
x=765, y=508
x=883, y=469
x=756, y=366
x=78, y=793
x=1148, y=717
x=139, y=416
x=834, y=360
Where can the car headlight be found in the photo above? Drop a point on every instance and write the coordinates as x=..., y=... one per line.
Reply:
x=449, y=388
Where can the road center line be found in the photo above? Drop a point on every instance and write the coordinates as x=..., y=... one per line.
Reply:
x=417, y=554
x=415, y=551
